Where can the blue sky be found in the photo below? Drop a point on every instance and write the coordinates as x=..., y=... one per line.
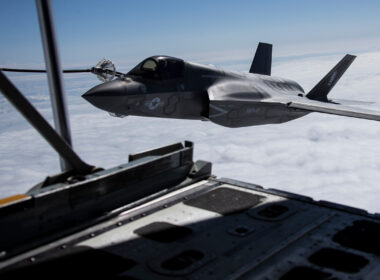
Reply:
x=131, y=30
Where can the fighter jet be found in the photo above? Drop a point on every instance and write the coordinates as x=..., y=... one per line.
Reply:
x=168, y=87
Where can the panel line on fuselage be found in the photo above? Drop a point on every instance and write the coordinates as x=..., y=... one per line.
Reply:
x=222, y=111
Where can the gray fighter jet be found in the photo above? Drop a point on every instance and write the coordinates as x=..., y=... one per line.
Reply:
x=168, y=87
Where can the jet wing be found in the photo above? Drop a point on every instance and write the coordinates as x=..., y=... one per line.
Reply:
x=334, y=109
x=351, y=102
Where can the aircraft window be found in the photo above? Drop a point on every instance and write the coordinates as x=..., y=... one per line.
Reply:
x=149, y=65
x=146, y=69
x=171, y=69
x=164, y=68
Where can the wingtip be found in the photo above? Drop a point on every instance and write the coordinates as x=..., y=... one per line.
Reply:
x=350, y=56
x=263, y=43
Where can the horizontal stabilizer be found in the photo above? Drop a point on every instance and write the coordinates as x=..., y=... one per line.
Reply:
x=322, y=89
x=262, y=62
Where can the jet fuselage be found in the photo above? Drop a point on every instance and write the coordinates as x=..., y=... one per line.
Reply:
x=188, y=90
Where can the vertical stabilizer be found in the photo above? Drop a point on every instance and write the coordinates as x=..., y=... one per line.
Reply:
x=321, y=90
x=262, y=62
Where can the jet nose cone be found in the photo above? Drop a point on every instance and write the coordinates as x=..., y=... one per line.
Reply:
x=107, y=96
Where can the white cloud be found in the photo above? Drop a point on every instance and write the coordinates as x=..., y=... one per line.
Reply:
x=326, y=157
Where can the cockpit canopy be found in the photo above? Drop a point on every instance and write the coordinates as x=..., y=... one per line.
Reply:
x=160, y=68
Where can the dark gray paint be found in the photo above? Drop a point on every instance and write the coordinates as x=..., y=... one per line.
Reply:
x=226, y=98
x=322, y=89
x=262, y=62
